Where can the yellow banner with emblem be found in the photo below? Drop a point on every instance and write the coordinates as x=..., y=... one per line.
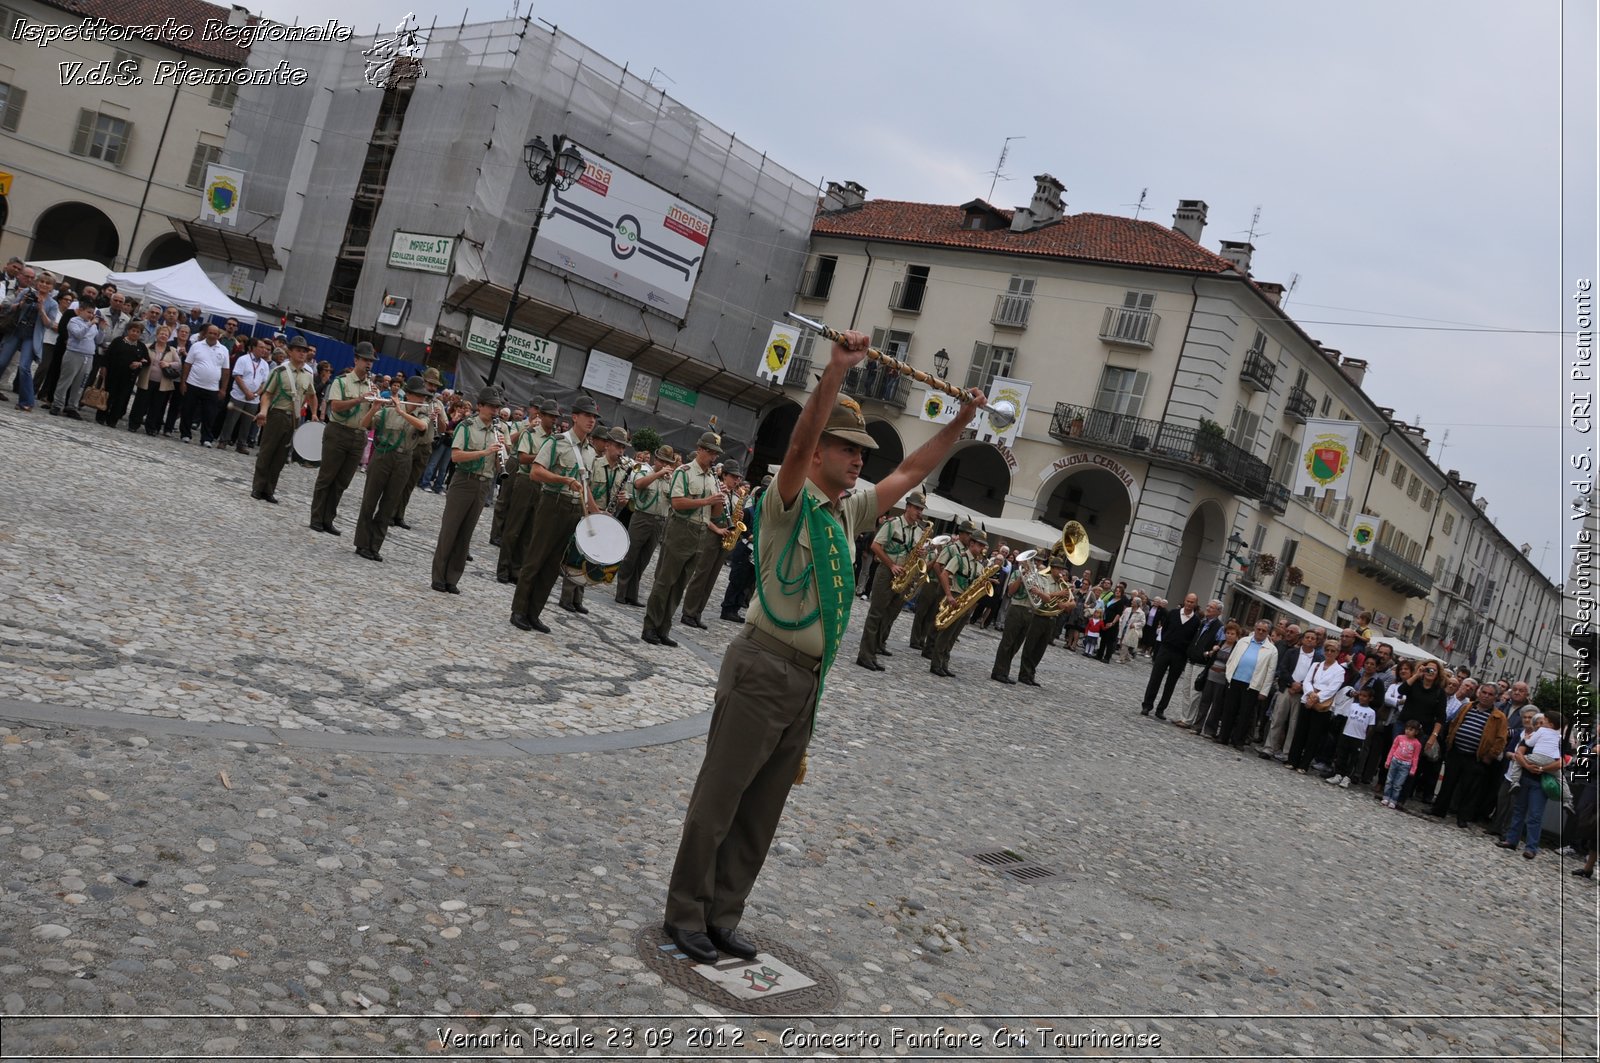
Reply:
x=778, y=353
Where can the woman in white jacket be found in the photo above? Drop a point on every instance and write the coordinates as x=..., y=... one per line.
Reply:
x=1130, y=626
x=1247, y=694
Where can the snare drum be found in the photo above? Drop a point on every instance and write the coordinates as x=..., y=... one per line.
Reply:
x=308, y=442
x=595, y=552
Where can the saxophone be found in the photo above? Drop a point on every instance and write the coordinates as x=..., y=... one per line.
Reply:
x=976, y=591
x=738, y=529
x=916, y=566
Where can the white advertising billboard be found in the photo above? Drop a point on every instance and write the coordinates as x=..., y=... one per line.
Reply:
x=619, y=231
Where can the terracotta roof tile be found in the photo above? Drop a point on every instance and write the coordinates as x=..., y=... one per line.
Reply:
x=195, y=13
x=1081, y=237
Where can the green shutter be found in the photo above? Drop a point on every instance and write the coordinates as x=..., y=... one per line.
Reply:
x=80, y=139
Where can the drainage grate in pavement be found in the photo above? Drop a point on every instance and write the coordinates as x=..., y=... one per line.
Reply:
x=1013, y=865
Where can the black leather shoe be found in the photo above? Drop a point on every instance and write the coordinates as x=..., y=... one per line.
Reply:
x=521, y=621
x=694, y=943
x=885, y=653
x=398, y=523
x=1029, y=682
x=671, y=645
x=452, y=588
x=1161, y=716
x=636, y=603
x=494, y=542
x=651, y=637
x=270, y=498
x=733, y=943
x=580, y=608
x=1007, y=680
x=733, y=618
x=1145, y=712
x=504, y=579
x=539, y=625
x=331, y=530
x=568, y=608
x=916, y=645
x=871, y=666
x=693, y=621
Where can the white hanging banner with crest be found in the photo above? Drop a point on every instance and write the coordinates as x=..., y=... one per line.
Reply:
x=937, y=407
x=778, y=353
x=1015, y=391
x=1326, y=457
x=1363, y=533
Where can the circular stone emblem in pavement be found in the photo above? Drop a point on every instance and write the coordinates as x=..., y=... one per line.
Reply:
x=779, y=981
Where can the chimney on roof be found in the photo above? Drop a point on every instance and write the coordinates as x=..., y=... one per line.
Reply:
x=1454, y=476
x=1355, y=369
x=1190, y=218
x=239, y=16
x=1045, y=208
x=1238, y=252
x=1272, y=290
x=843, y=196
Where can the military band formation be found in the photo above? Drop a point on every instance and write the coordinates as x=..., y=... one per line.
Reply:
x=791, y=542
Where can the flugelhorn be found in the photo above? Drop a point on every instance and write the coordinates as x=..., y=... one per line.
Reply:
x=1003, y=413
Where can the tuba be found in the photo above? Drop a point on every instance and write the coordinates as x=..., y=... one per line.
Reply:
x=976, y=591
x=1074, y=542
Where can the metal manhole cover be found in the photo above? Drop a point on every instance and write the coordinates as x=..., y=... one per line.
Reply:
x=756, y=987
x=1013, y=865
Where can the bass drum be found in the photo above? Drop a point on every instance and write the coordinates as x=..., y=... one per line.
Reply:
x=308, y=442
x=595, y=552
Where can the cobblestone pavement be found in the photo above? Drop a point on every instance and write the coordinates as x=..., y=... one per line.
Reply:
x=301, y=898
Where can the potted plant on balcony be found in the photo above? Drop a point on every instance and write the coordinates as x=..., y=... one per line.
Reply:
x=1293, y=576
x=1209, y=439
x=1075, y=426
x=1266, y=564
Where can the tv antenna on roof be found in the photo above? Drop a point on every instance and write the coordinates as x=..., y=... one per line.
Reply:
x=1139, y=206
x=1294, y=279
x=1005, y=149
x=1255, y=219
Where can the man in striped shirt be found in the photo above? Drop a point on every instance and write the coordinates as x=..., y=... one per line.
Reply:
x=1476, y=738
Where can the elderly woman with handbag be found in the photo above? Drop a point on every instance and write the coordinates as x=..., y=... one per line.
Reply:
x=158, y=384
x=1321, y=687
x=1425, y=702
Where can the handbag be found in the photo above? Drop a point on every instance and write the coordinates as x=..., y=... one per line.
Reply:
x=95, y=396
x=173, y=371
x=1551, y=784
x=1432, y=750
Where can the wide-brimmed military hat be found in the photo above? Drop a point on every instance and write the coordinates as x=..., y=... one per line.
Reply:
x=846, y=422
x=416, y=386
x=431, y=376
x=299, y=342
x=711, y=441
x=967, y=528
x=550, y=408
x=918, y=499
x=666, y=453
x=364, y=350
x=766, y=481
x=491, y=396
x=1060, y=561
x=617, y=435
x=731, y=468
x=586, y=405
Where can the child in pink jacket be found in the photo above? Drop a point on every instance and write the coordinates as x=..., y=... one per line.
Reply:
x=1403, y=758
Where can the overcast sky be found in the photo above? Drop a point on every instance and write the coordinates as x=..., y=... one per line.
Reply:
x=1406, y=157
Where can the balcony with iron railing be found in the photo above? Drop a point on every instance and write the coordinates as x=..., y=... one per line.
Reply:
x=1125, y=327
x=1258, y=371
x=1011, y=311
x=1391, y=569
x=1300, y=405
x=1276, y=498
x=906, y=297
x=1169, y=445
x=799, y=374
x=875, y=382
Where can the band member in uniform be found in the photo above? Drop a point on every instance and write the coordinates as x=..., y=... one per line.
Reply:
x=563, y=463
x=395, y=432
x=695, y=500
x=473, y=452
x=955, y=576
x=708, y=558
x=773, y=671
x=648, y=501
x=929, y=596
x=892, y=546
x=1056, y=594
x=741, y=564
x=503, y=482
x=608, y=481
x=288, y=388
x=343, y=441
x=523, y=493
x=1015, y=630
x=422, y=449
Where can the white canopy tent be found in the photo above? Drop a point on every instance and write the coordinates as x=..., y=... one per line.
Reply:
x=184, y=285
x=79, y=269
x=1305, y=616
x=1038, y=534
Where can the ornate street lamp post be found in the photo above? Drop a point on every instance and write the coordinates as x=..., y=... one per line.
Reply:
x=556, y=167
